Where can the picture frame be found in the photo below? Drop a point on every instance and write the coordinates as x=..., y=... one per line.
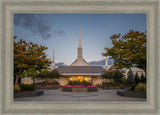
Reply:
x=9, y=7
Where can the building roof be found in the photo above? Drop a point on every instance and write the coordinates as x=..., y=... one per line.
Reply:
x=81, y=70
x=80, y=62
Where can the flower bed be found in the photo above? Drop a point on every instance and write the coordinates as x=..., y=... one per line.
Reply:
x=79, y=88
x=48, y=86
x=92, y=89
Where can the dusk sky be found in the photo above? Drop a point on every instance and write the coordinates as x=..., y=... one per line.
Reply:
x=61, y=32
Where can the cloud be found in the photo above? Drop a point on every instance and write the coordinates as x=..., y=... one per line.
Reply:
x=37, y=24
x=60, y=32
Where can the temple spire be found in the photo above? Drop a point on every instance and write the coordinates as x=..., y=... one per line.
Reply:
x=80, y=61
x=106, y=64
x=80, y=37
x=80, y=48
x=53, y=63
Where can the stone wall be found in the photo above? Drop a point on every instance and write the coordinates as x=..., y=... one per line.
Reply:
x=79, y=89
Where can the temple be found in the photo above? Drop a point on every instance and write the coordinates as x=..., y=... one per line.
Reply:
x=80, y=69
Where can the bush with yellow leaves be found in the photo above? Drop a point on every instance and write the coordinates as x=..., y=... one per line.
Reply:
x=17, y=88
x=141, y=87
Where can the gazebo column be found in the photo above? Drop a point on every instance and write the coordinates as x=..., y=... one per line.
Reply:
x=91, y=79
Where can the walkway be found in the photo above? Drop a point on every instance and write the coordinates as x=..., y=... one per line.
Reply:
x=101, y=95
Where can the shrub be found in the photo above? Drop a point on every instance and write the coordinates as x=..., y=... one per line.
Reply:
x=114, y=84
x=105, y=84
x=140, y=88
x=17, y=88
x=70, y=83
x=124, y=81
x=98, y=85
x=30, y=87
x=86, y=83
x=89, y=84
x=123, y=86
x=77, y=82
x=133, y=87
x=56, y=83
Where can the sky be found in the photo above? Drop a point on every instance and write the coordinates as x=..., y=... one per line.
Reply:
x=61, y=32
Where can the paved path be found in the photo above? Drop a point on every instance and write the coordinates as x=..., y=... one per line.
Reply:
x=101, y=95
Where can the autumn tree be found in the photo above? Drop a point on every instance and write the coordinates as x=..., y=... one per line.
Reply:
x=128, y=50
x=28, y=55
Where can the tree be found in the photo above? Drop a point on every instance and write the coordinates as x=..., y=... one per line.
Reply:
x=143, y=79
x=117, y=76
x=54, y=74
x=124, y=81
x=130, y=77
x=45, y=74
x=28, y=55
x=29, y=73
x=128, y=50
x=107, y=75
x=136, y=78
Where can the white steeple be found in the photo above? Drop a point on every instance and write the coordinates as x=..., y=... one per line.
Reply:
x=106, y=65
x=80, y=47
x=53, y=62
x=80, y=61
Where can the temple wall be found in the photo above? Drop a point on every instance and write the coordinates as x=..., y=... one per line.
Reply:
x=26, y=80
x=63, y=80
x=29, y=80
x=96, y=81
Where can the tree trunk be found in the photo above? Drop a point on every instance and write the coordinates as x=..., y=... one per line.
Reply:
x=17, y=79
